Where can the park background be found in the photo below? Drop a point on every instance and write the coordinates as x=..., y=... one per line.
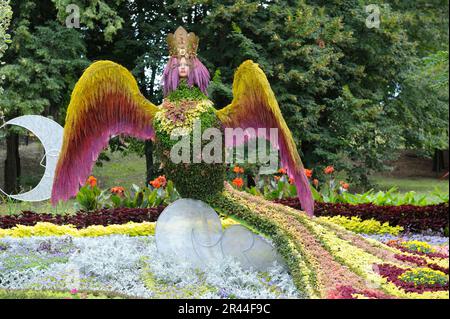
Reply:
x=370, y=99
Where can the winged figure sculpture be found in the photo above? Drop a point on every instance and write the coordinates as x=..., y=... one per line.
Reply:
x=106, y=101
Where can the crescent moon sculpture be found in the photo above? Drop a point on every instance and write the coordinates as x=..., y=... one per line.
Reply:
x=50, y=134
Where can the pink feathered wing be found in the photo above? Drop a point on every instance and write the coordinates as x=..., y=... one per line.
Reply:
x=254, y=106
x=105, y=102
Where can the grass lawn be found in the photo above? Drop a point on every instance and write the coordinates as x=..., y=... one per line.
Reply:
x=418, y=184
x=120, y=171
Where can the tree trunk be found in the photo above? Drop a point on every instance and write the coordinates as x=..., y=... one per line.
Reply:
x=150, y=171
x=149, y=162
x=12, y=163
x=438, y=160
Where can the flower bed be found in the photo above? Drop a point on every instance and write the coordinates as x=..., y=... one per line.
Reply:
x=38, y=267
x=48, y=229
x=84, y=219
x=410, y=217
x=368, y=226
x=325, y=259
x=49, y=294
x=418, y=280
x=43, y=229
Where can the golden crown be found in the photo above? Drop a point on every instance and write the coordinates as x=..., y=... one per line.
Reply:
x=182, y=44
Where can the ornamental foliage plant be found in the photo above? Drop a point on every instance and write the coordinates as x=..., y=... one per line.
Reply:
x=83, y=219
x=420, y=247
x=159, y=192
x=322, y=255
x=53, y=294
x=125, y=266
x=410, y=217
x=368, y=226
x=424, y=276
x=48, y=229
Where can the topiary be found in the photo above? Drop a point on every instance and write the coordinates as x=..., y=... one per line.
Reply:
x=181, y=109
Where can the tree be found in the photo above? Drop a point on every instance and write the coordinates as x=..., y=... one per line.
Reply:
x=335, y=79
x=351, y=94
x=43, y=63
x=99, y=15
x=425, y=91
x=140, y=45
x=5, y=19
x=426, y=23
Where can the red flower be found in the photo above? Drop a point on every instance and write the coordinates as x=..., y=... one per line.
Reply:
x=291, y=180
x=238, y=182
x=316, y=182
x=159, y=182
x=328, y=170
x=308, y=173
x=282, y=171
x=92, y=181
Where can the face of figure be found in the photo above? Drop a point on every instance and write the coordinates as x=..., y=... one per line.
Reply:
x=183, y=68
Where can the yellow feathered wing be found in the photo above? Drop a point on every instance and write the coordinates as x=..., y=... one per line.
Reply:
x=254, y=106
x=106, y=101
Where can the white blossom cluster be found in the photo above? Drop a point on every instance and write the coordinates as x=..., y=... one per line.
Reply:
x=124, y=264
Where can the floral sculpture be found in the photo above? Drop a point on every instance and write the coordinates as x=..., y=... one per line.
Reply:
x=106, y=101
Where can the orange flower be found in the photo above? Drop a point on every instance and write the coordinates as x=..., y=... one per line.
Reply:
x=316, y=182
x=344, y=185
x=238, y=170
x=308, y=173
x=277, y=178
x=118, y=190
x=159, y=182
x=328, y=170
x=282, y=171
x=163, y=180
x=238, y=182
x=92, y=181
x=291, y=180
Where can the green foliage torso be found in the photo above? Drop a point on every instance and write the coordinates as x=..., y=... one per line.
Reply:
x=192, y=180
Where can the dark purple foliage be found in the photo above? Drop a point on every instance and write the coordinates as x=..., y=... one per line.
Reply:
x=410, y=217
x=421, y=262
x=84, y=219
